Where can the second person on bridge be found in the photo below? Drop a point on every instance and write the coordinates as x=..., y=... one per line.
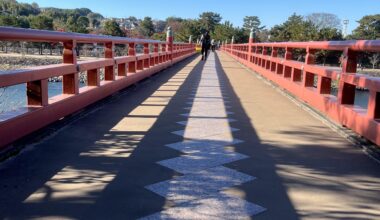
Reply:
x=206, y=43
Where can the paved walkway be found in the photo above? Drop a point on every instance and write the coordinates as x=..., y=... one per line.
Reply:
x=201, y=140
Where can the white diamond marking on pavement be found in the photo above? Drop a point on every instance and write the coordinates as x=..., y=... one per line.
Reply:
x=198, y=194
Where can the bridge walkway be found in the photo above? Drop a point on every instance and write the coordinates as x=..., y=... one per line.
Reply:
x=201, y=140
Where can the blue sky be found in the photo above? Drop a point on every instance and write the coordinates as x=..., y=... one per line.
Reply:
x=270, y=12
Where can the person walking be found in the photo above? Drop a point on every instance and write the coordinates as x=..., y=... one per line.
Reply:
x=206, y=43
x=213, y=45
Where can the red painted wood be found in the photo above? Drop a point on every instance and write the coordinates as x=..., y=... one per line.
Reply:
x=340, y=108
x=43, y=111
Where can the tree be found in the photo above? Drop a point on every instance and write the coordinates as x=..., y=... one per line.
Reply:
x=82, y=24
x=94, y=19
x=175, y=23
x=132, y=22
x=159, y=26
x=374, y=59
x=23, y=22
x=325, y=20
x=294, y=29
x=226, y=31
x=8, y=20
x=325, y=34
x=252, y=22
x=146, y=27
x=41, y=22
x=159, y=36
x=240, y=35
x=368, y=29
x=208, y=20
x=223, y=31
x=59, y=24
x=70, y=24
x=263, y=35
x=82, y=11
x=112, y=28
x=188, y=27
x=329, y=34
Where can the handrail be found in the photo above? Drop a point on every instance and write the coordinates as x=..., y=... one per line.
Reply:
x=22, y=34
x=42, y=110
x=356, y=45
x=312, y=83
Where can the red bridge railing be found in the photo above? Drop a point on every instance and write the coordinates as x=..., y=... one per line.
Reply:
x=312, y=83
x=41, y=110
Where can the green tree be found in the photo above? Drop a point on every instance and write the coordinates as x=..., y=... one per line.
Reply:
x=294, y=29
x=59, y=24
x=368, y=29
x=112, y=28
x=82, y=24
x=329, y=34
x=8, y=20
x=146, y=27
x=82, y=11
x=94, y=19
x=13, y=21
x=226, y=31
x=208, y=20
x=252, y=22
x=71, y=24
x=188, y=27
x=41, y=22
x=223, y=32
x=159, y=36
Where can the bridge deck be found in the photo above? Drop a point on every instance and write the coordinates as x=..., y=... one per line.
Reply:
x=202, y=140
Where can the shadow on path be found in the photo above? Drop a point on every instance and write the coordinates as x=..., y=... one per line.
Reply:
x=97, y=167
x=303, y=169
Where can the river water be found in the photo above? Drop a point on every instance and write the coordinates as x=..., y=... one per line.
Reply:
x=14, y=97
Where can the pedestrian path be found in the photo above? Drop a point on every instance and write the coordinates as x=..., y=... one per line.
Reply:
x=198, y=194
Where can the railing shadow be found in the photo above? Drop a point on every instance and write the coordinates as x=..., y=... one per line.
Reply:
x=303, y=171
x=260, y=164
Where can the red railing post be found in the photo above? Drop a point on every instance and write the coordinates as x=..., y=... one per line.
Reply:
x=146, y=52
x=131, y=52
x=140, y=63
x=70, y=82
x=374, y=104
x=274, y=54
x=163, y=57
x=264, y=53
x=93, y=77
x=109, y=71
x=346, y=92
x=122, y=69
x=37, y=93
x=308, y=78
x=155, y=59
x=232, y=45
x=169, y=40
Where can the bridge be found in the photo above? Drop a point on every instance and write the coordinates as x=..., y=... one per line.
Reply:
x=245, y=134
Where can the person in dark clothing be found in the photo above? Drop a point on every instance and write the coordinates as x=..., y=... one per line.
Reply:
x=206, y=43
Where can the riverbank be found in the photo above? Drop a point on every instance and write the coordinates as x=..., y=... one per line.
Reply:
x=13, y=61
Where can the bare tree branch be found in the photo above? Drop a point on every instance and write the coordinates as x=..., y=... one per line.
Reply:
x=374, y=59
